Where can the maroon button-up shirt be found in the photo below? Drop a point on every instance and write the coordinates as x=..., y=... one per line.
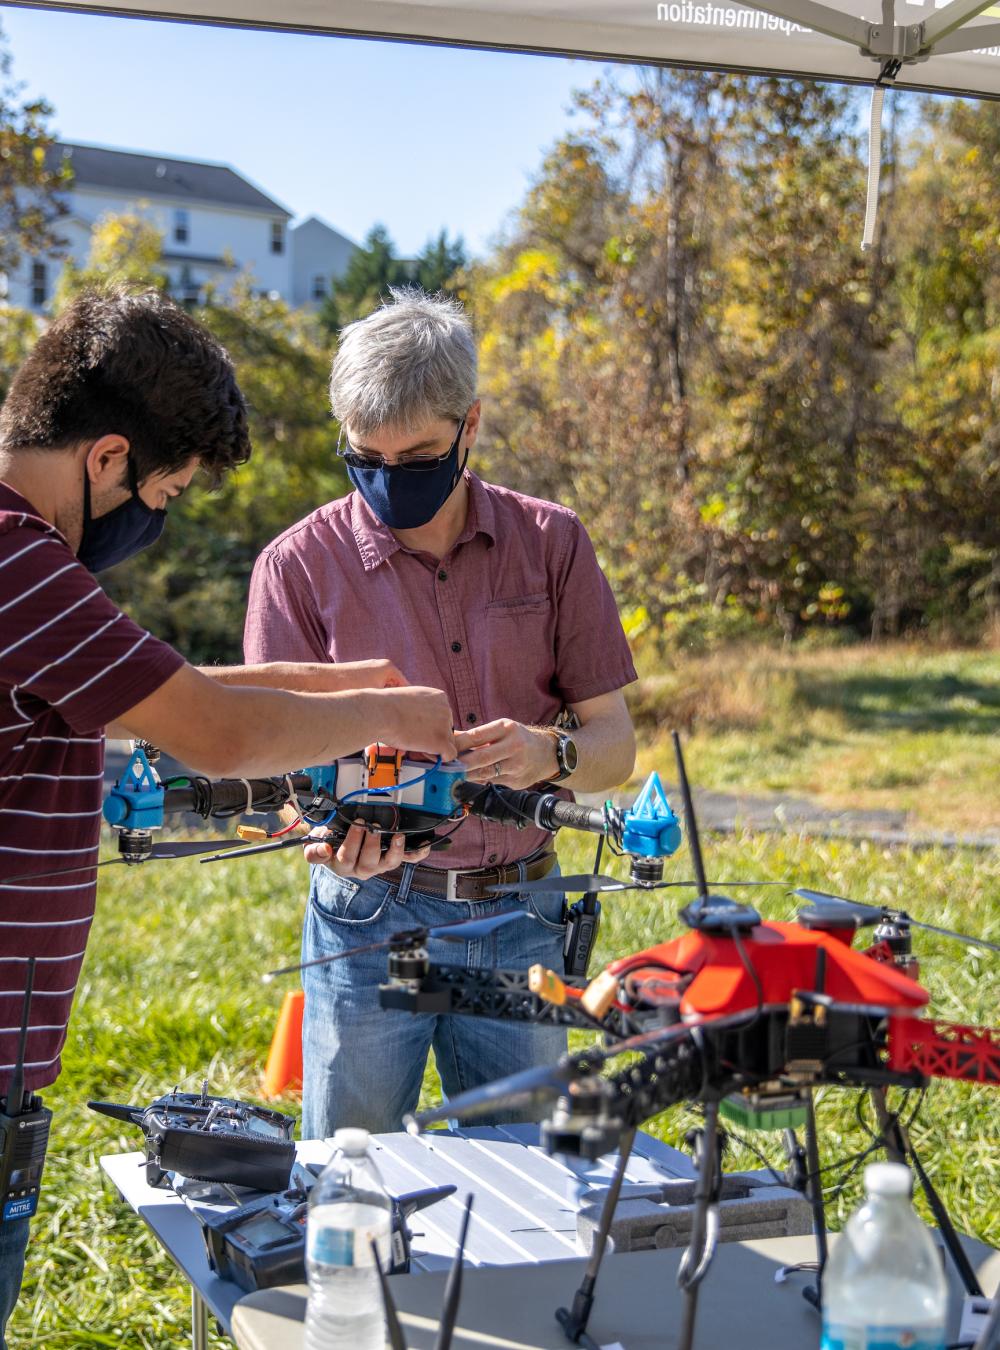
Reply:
x=517, y=621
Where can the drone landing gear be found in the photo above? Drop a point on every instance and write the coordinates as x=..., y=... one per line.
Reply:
x=695, y=1260
x=813, y=1293
x=704, y=1220
x=574, y=1320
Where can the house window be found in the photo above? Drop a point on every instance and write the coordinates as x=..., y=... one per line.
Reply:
x=319, y=286
x=277, y=236
x=182, y=226
x=39, y=284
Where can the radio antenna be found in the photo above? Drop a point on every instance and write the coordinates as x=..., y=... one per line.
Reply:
x=15, y=1093
x=693, y=841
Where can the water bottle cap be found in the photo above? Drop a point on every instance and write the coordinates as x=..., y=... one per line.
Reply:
x=351, y=1141
x=888, y=1179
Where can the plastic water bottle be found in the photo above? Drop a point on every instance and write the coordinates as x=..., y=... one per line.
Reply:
x=883, y=1287
x=348, y=1209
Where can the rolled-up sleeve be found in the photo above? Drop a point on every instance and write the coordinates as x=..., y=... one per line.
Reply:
x=592, y=651
x=282, y=622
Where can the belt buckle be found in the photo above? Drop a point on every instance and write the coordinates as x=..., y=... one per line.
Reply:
x=451, y=885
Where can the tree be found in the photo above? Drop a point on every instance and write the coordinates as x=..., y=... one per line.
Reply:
x=372, y=270
x=191, y=589
x=124, y=248
x=18, y=331
x=438, y=263
x=30, y=179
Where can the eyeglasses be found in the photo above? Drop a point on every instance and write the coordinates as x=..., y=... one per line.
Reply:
x=414, y=464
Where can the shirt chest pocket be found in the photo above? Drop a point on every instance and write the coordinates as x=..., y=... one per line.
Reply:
x=520, y=656
x=518, y=608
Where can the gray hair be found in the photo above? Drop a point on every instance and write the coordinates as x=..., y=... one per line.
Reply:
x=411, y=362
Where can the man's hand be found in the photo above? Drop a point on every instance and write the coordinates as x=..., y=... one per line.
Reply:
x=360, y=854
x=508, y=753
x=415, y=718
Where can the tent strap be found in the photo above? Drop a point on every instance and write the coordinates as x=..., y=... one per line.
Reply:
x=888, y=72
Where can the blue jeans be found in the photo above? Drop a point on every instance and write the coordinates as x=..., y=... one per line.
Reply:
x=363, y=1065
x=13, y=1241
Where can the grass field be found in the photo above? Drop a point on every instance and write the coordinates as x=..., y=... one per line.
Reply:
x=859, y=727
x=171, y=990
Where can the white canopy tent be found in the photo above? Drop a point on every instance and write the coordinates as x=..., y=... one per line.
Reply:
x=949, y=47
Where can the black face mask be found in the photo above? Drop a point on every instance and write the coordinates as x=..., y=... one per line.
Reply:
x=126, y=530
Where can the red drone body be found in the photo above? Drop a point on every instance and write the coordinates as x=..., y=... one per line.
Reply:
x=708, y=975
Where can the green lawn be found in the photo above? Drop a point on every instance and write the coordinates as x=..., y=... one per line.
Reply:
x=859, y=727
x=171, y=994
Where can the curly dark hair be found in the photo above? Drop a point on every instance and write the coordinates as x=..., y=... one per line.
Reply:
x=131, y=363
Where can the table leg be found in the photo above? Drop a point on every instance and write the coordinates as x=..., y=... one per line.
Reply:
x=199, y=1321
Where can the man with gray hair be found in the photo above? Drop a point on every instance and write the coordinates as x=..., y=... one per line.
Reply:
x=491, y=596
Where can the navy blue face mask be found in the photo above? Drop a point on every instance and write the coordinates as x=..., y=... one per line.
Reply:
x=127, y=529
x=405, y=498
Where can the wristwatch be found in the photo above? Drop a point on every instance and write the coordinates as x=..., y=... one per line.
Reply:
x=566, y=755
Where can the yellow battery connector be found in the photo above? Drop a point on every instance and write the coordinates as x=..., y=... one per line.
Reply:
x=547, y=985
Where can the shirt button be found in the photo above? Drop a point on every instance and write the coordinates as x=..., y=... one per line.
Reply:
x=456, y=646
x=470, y=717
x=442, y=575
x=492, y=858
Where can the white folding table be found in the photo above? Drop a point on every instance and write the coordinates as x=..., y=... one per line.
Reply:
x=525, y=1202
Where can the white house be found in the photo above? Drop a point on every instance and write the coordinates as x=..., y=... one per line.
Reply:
x=319, y=253
x=214, y=222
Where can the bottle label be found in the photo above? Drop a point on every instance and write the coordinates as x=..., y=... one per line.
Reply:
x=329, y=1246
x=332, y=1247
x=881, y=1338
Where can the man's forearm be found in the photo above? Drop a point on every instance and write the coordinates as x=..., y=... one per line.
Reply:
x=254, y=732
x=606, y=754
x=309, y=677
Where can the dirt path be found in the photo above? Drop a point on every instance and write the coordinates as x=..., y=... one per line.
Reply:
x=729, y=813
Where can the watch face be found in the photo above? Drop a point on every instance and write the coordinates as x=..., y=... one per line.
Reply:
x=567, y=753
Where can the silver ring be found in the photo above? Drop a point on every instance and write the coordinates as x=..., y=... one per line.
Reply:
x=497, y=771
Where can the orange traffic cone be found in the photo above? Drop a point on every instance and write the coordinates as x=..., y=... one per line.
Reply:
x=284, y=1059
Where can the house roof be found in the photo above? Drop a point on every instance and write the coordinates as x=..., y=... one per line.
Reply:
x=312, y=224
x=160, y=176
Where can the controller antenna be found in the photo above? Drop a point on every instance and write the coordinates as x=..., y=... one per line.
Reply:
x=15, y=1093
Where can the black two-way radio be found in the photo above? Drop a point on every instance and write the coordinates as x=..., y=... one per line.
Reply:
x=24, y=1131
x=583, y=923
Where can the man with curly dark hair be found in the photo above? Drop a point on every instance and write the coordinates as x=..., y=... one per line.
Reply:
x=123, y=399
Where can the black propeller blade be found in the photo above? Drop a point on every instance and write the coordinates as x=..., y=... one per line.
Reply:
x=271, y=846
x=163, y=852
x=868, y=915
x=545, y=1082
x=462, y=930
x=603, y=885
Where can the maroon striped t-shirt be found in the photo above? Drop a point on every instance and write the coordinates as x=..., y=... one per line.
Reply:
x=70, y=662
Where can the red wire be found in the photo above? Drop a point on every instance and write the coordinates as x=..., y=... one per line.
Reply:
x=287, y=830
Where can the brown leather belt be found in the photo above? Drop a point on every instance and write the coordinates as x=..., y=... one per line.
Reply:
x=475, y=884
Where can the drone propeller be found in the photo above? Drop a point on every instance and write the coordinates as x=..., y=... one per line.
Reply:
x=163, y=852
x=460, y=930
x=604, y=884
x=867, y=915
x=545, y=1082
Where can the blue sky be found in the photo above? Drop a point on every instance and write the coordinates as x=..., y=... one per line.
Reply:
x=354, y=131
